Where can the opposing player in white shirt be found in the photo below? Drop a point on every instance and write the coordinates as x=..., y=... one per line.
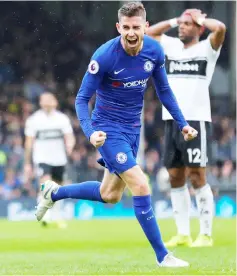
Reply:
x=190, y=65
x=49, y=140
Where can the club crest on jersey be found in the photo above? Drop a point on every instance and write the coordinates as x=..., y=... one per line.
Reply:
x=93, y=67
x=148, y=66
x=121, y=157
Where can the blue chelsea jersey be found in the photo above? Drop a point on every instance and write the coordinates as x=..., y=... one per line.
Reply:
x=120, y=81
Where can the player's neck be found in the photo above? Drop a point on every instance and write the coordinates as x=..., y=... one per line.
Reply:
x=191, y=43
x=48, y=111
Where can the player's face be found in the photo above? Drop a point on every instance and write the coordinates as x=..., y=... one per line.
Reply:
x=48, y=102
x=188, y=30
x=132, y=30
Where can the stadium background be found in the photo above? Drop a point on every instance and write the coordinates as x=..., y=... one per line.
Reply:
x=47, y=45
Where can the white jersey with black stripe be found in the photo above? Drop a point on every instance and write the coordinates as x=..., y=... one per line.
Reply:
x=48, y=131
x=190, y=72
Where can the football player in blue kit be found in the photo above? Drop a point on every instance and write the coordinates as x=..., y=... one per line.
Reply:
x=118, y=72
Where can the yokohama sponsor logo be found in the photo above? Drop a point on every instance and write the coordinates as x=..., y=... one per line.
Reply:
x=135, y=83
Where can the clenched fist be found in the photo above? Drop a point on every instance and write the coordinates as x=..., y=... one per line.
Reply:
x=98, y=138
x=189, y=133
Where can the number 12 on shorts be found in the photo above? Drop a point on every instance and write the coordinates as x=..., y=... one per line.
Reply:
x=194, y=155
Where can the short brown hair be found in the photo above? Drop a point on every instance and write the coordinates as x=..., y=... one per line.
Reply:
x=132, y=9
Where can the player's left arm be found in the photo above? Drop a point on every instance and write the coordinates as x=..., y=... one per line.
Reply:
x=88, y=88
x=90, y=83
x=168, y=99
x=217, y=28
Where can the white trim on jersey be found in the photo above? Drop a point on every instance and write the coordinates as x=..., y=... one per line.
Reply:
x=203, y=144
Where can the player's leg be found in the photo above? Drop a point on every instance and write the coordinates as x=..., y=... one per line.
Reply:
x=124, y=162
x=204, y=200
x=197, y=161
x=112, y=187
x=181, y=204
x=138, y=184
x=180, y=197
x=109, y=191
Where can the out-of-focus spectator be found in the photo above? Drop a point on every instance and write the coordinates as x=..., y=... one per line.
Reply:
x=10, y=188
x=32, y=89
x=162, y=180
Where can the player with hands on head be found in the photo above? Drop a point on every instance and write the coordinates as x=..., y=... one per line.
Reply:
x=190, y=64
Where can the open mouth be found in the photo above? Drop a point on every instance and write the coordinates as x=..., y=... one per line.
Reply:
x=132, y=42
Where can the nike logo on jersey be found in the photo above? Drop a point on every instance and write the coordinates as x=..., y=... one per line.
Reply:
x=117, y=72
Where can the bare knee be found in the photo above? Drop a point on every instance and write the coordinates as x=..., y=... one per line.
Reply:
x=136, y=181
x=197, y=177
x=177, y=177
x=111, y=188
x=141, y=189
x=112, y=197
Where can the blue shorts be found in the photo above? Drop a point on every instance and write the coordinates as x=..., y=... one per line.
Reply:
x=119, y=151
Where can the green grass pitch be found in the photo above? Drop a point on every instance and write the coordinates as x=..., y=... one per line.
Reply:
x=107, y=247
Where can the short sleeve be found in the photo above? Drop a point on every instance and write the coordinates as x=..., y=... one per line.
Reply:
x=169, y=41
x=211, y=53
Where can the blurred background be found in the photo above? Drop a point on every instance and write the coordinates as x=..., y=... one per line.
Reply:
x=47, y=45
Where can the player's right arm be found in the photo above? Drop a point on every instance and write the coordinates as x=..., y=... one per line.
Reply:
x=90, y=83
x=156, y=31
x=162, y=27
x=217, y=28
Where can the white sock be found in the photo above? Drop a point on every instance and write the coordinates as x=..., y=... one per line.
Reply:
x=205, y=204
x=181, y=204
